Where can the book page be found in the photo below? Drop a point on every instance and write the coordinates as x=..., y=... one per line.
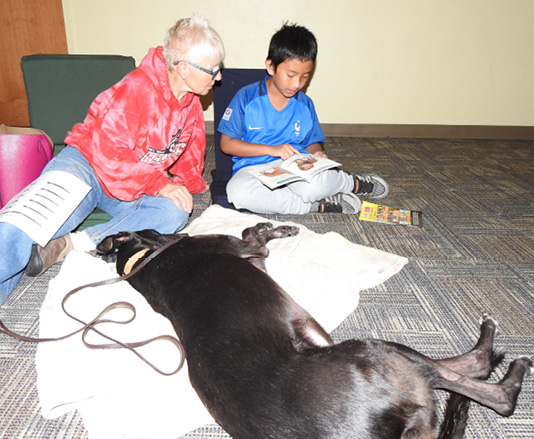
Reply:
x=307, y=165
x=42, y=207
x=296, y=168
x=273, y=176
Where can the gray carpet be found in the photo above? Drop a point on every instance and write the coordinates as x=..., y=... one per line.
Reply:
x=475, y=254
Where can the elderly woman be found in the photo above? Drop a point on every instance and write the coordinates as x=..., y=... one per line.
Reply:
x=140, y=148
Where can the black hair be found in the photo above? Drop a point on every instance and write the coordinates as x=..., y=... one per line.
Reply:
x=292, y=42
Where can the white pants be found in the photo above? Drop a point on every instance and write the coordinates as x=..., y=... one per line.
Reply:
x=246, y=192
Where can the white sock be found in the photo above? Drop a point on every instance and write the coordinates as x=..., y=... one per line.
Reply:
x=82, y=242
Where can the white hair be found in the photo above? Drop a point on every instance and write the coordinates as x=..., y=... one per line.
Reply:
x=192, y=39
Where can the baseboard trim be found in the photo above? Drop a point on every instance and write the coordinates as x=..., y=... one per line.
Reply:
x=422, y=131
x=430, y=131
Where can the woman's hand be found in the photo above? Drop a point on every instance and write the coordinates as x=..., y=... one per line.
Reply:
x=179, y=195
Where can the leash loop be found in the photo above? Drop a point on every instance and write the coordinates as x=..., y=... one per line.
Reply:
x=87, y=328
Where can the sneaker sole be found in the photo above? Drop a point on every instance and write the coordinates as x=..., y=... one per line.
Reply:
x=383, y=183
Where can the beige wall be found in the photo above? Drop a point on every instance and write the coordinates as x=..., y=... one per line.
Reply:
x=448, y=62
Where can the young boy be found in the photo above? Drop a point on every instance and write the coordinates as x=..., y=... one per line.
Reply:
x=272, y=120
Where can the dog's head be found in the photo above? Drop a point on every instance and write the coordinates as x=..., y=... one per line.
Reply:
x=130, y=247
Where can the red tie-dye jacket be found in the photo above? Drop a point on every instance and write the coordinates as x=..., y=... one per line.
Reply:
x=137, y=130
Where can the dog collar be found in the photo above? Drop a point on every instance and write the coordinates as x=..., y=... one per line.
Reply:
x=133, y=260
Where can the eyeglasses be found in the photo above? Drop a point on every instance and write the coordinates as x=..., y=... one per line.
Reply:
x=212, y=73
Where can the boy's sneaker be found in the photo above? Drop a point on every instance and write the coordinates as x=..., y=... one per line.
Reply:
x=340, y=203
x=370, y=185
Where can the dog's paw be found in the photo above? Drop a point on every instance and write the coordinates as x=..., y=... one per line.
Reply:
x=487, y=319
x=286, y=231
x=262, y=227
x=530, y=368
x=524, y=363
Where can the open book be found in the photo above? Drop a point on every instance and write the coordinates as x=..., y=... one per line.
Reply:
x=296, y=168
x=390, y=215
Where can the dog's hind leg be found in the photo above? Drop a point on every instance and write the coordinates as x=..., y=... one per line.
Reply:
x=455, y=416
x=453, y=374
x=480, y=361
x=464, y=374
x=501, y=397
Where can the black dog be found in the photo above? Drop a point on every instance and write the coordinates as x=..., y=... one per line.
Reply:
x=265, y=368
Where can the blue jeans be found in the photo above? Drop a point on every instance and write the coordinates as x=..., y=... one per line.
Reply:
x=148, y=212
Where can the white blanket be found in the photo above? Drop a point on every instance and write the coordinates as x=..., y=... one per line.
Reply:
x=119, y=396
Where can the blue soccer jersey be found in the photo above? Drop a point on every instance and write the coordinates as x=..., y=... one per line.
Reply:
x=251, y=117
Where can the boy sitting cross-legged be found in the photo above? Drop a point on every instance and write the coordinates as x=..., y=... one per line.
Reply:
x=271, y=121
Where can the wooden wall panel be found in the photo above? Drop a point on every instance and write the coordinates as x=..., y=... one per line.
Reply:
x=26, y=27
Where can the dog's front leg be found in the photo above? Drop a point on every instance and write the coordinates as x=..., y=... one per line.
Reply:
x=262, y=233
x=259, y=235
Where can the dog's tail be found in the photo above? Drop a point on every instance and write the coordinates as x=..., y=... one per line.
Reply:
x=457, y=408
x=455, y=418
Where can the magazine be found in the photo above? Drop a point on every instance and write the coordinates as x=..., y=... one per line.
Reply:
x=300, y=167
x=390, y=215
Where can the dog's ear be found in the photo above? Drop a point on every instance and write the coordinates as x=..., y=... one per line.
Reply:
x=111, y=243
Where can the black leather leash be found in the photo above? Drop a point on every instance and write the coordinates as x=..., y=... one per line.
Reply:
x=91, y=326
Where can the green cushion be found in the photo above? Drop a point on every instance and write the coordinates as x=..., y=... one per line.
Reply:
x=60, y=88
x=97, y=217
